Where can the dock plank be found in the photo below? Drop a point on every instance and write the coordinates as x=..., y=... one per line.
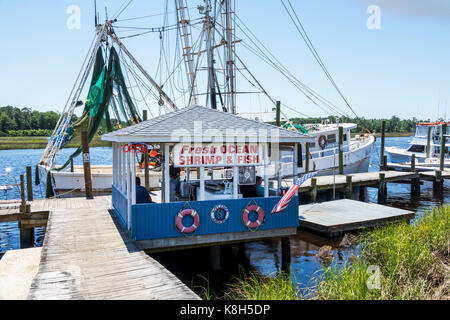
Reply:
x=86, y=255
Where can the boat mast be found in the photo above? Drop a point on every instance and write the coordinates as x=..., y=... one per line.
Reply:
x=186, y=36
x=230, y=55
x=209, y=26
x=112, y=35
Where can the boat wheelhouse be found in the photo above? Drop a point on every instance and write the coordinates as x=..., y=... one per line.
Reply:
x=425, y=145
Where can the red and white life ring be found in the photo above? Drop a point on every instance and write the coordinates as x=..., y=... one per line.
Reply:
x=179, y=221
x=322, y=142
x=245, y=219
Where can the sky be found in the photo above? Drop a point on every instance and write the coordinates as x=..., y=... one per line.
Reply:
x=395, y=65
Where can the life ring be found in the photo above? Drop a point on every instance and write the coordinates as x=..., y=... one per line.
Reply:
x=179, y=221
x=322, y=142
x=245, y=219
x=220, y=214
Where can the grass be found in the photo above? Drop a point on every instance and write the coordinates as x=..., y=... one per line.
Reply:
x=413, y=263
x=10, y=143
x=388, y=134
x=397, y=261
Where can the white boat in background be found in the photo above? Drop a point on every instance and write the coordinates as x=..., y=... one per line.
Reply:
x=419, y=144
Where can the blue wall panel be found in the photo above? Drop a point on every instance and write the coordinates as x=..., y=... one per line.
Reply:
x=119, y=202
x=157, y=221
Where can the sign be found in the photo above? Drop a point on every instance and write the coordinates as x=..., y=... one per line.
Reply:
x=86, y=157
x=136, y=147
x=217, y=155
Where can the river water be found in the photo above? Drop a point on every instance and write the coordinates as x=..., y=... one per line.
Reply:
x=262, y=256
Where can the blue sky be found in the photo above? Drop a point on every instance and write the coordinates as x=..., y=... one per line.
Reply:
x=402, y=69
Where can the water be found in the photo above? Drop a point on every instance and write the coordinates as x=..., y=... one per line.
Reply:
x=263, y=256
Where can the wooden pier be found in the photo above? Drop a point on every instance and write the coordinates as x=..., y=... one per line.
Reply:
x=86, y=255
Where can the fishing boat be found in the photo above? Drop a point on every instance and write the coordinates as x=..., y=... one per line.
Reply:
x=425, y=145
x=121, y=89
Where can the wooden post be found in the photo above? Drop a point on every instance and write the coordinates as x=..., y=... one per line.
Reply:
x=307, y=145
x=382, y=189
x=383, y=136
x=86, y=164
x=146, y=171
x=349, y=187
x=413, y=163
x=415, y=182
x=215, y=260
x=313, y=193
x=26, y=234
x=278, y=114
x=443, y=139
x=438, y=183
x=285, y=254
x=145, y=115
x=71, y=165
x=29, y=184
x=341, y=151
x=429, y=142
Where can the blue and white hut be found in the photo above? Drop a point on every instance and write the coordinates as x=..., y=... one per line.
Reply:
x=217, y=199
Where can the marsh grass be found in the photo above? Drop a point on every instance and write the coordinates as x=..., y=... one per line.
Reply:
x=255, y=286
x=412, y=259
x=11, y=143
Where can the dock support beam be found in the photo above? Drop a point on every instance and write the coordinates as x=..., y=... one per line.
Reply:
x=415, y=182
x=26, y=234
x=443, y=140
x=383, y=136
x=313, y=193
x=29, y=184
x=382, y=190
x=86, y=164
x=307, y=145
x=362, y=193
x=214, y=253
x=348, y=187
x=438, y=183
x=429, y=142
x=285, y=254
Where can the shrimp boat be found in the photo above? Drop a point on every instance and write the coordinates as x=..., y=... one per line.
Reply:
x=425, y=145
x=120, y=90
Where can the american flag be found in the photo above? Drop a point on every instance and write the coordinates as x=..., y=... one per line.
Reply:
x=284, y=202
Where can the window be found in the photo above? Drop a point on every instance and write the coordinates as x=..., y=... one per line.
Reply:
x=331, y=138
x=416, y=148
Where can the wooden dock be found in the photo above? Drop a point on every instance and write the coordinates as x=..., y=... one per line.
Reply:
x=86, y=255
x=334, y=218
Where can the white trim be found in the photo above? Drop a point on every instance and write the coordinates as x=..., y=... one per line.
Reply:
x=266, y=176
x=166, y=173
x=133, y=177
x=202, y=184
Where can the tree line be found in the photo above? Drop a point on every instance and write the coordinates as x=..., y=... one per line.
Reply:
x=393, y=125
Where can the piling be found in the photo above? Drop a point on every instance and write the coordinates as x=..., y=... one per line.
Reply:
x=313, y=193
x=341, y=152
x=383, y=137
x=438, y=183
x=429, y=142
x=26, y=234
x=29, y=184
x=278, y=114
x=362, y=193
x=443, y=139
x=86, y=164
x=415, y=182
x=285, y=254
x=71, y=166
x=348, y=187
x=382, y=188
x=145, y=115
x=307, y=146
x=214, y=253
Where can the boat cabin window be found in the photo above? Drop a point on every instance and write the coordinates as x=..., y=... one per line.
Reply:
x=416, y=148
x=438, y=150
x=312, y=145
x=422, y=131
x=331, y=138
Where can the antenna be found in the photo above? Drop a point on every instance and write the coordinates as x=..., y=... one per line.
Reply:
x=95, y=12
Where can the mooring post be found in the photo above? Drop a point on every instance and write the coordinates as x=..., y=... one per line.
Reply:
x=382, y=188
x=438, y=183
x=86, y=164
x=443, y=140
x=26, y=234
x=307, y=145
x=313, y=192
x=285, y=254
x=146, y=171
x=383, y=136
x=71, y=165
x=341, y=151
x=144, y=115
x=415, y=182
x=214, y=253
x=429, y=142
x=29, y=184
x=348, y=187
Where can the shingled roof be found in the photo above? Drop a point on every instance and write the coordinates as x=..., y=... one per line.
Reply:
x=186, y=122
